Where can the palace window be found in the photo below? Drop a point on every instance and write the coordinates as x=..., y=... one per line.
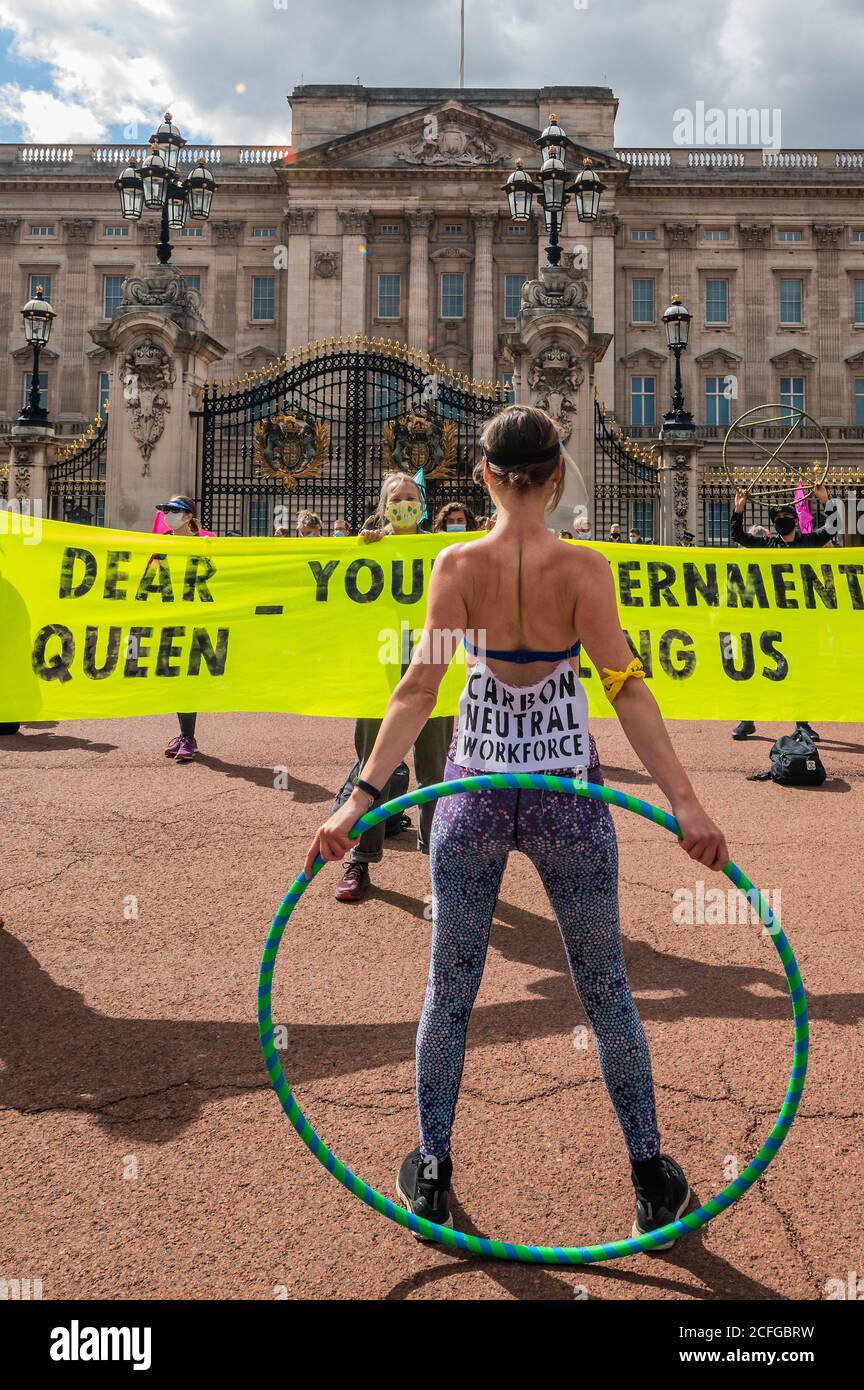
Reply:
x=102, y=384
x=453, y=229
x=453, y=295
x=643, y=234
x=858, y=236
x=716, y=301
x=259, y=517
x=389, y=296
x=858, y=295
x=41, y=229
x=389, y=229
x=193, y=282
x=716, y=401
x=264, y=233
x=792, y=396
x=263, y=298
x=115, y=232
x=43, y=389
x=642, y=396
x=643, y=519
x=386, y=396
x=716, y=234
x=717, y=523
x=192, y=231
x=790, y=236
x=642, y=301
x=112, y=291
x=791, y=301
x=513, y=294
x=859, y=400
x=37, y=280
x=515, y=229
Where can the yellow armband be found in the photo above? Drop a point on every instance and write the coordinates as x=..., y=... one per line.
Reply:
x=614, y=680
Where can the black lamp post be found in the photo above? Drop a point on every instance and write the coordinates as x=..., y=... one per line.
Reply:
x=38, y=318
x=676, y=322
x=553, y=192
x=156, y=184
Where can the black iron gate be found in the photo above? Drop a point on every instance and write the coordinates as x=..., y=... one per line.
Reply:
x=76, y=478
x=319, y=429
x=626, y=486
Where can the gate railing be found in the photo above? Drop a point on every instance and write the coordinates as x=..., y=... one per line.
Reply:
x=717, y=495
x=318, y=429
x=76, y=478
x=626, y=485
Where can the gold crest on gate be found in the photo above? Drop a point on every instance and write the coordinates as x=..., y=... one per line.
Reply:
x=291, y=446
x=421, y=441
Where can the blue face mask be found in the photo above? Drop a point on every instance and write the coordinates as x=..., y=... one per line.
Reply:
x=338, y=533
x=456, y=526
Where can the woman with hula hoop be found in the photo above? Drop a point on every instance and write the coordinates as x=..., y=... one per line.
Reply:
x=528, y=603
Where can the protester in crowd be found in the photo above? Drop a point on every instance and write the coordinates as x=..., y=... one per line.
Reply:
x=583, y=529
x=784, y=519
x=399, y=512
x=283, y=531
x=455, y=516
x=536, y=601
x=566, y=536
x=180, y=516
x=309, y=525
x=688, y=539
x=488, y=522
x=636, y=536
x=615, y=531
x=340, y=527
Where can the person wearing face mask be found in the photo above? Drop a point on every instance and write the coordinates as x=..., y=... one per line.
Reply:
x=615, y=531
x=340, y=528
x=784, y=519
x=455, y=516
x=399, y=513
x=636, y=536
x=178, y=517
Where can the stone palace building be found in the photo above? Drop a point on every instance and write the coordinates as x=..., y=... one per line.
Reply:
x=386, y=217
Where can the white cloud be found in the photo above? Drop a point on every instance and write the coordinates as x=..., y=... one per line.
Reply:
x=48, y=120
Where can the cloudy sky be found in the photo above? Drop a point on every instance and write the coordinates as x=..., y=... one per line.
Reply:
x=92, y=70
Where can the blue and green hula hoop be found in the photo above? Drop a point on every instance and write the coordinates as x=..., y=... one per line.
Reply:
x=509, y=1250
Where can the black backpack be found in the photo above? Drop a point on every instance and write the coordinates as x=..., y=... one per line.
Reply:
x=398, y=786
x=795, y=762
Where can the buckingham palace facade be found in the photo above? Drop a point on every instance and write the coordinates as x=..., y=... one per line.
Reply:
x=385, y=217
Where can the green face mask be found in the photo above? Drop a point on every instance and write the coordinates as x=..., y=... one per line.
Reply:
x=403, y=514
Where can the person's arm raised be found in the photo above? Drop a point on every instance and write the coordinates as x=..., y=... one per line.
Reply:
x=599, y=629
x=410, y=705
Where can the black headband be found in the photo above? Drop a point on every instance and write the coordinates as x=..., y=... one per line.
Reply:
x=539, y=456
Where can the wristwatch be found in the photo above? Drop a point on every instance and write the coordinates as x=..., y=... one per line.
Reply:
x=372, y=792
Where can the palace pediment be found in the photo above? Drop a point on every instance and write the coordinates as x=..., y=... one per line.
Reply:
x=792, y=361
x=449, y=135
x=644, y=357
x=719, y=358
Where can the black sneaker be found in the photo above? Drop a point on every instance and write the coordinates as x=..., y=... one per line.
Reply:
x=744, y=729
x=658, y=1207
x=424, y=1186
x=804, y=728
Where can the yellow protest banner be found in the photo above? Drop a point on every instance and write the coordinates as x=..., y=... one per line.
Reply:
x=97, y=623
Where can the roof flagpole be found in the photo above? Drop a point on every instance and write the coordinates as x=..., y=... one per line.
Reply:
x=462, y=49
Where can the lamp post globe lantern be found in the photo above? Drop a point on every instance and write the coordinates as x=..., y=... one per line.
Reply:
x=554, y=140
x=131, y=188
x=676, y=322
x=520, y=191
x=154, y=176
x=587, y=190
x=169, y=143
x=177, y=204
x=552, y=176
x=38, y=316
x=200, y=187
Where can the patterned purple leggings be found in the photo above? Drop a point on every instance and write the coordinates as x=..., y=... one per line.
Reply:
x=571, y=842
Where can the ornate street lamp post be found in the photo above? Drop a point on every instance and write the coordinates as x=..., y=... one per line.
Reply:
x=38, y=318
x=156, y=184
x=552, y=190
x=676, y=322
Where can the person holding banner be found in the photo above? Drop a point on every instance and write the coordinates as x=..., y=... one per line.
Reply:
x=536, y=602
x=401, y=507
x=786, y=520
x=179, y=517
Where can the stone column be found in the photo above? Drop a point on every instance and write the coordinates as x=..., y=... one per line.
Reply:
x=831, y=406
x=678, y=473
x=77, y=232
x=226, y=235
x=300, y=223
x=680, y=243
x=8, y=236
x=419, y=222
x=160, y=354
x=756, y=297
x=29, y=457
x=601, y=271
x=355, y=229
x=484, y=320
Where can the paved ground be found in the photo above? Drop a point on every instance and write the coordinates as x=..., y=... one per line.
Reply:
x=143, y=1154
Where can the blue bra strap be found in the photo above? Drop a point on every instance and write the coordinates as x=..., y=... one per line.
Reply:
x=521, y=657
